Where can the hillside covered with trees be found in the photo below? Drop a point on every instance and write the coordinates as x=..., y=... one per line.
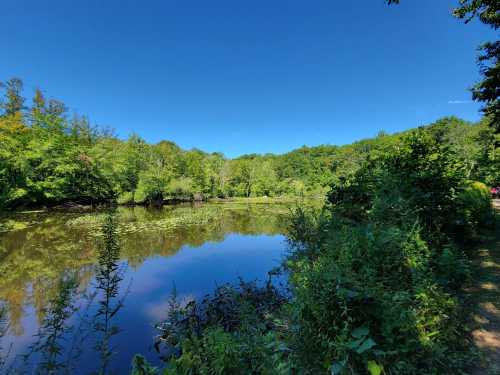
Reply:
x=48, y=157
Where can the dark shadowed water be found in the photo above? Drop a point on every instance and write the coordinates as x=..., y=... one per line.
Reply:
x=53, y=302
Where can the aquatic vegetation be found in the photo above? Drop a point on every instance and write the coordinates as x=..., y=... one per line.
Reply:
x=52, y=352
x=10, y=225
x=34, y=258
x=181, y=218
x=169, y=220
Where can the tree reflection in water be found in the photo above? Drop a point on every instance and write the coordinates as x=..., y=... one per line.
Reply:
x=60, y=339
x=55, y=327
x=4, y=353
x=66, y=281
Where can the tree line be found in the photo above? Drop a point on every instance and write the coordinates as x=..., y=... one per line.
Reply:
x=48, y=157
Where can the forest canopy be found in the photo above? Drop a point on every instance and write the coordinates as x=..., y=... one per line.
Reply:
x=48, y=157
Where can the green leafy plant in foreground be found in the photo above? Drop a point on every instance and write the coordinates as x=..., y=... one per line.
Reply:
x=108, y=278
x=394, y=270
x=235, y=330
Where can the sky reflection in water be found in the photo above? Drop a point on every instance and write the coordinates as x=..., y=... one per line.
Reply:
x=234, y=241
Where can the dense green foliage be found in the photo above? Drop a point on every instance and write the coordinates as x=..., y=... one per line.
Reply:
x=394, y=268
x=249, y=310
x=47, y=158
x=375, y=277
x=473, y=205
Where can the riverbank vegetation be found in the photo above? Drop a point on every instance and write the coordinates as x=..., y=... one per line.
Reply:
x=376, y=277
x=48, y=158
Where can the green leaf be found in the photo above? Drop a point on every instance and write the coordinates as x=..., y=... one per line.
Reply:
x=374, y=368
x=366, y=345
x=360, y=332
x=355, y=344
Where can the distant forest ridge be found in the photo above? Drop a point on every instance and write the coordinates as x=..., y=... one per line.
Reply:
x=48, y=157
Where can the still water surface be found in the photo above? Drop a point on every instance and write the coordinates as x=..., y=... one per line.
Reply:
x=192, y=248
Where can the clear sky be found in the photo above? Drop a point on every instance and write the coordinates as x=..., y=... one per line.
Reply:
x=246, y=76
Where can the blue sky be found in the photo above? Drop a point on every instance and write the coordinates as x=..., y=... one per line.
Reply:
x=246, y=76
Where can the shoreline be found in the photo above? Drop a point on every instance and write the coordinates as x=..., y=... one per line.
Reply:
x=74, y=206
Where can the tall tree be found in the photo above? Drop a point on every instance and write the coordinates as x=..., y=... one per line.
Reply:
x=14, y=101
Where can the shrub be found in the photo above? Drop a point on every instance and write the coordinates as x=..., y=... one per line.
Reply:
x=231, y=332
x=125, y=198
x=141, y=367
x=474, y=209
x=181, y=188
x=151, y=188
x=376, y=280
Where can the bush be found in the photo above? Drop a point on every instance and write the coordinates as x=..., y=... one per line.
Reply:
x=125, y=198
x=151, y=188
x=141, y=367
x=231, y=332
x=377, y=280
x=182, y=188
x=377, y=283
x=474, y=209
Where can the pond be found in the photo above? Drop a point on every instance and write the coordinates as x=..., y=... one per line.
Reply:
x=54, y=318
